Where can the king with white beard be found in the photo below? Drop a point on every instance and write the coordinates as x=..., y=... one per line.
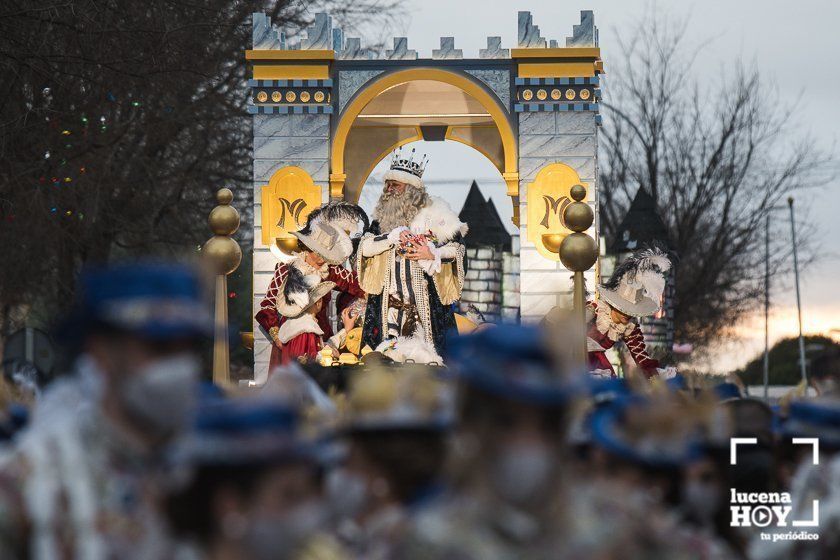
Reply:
x=411, y=264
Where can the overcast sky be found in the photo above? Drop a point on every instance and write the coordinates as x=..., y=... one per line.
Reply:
x=794, y=44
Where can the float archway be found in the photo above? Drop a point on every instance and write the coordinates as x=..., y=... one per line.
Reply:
x=331, y=109
x=489, y=131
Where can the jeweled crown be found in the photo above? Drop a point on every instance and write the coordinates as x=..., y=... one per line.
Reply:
x=402, y=163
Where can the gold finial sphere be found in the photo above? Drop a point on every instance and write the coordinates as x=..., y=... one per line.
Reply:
x=224, y=196
x=578, y=216
x=578, y=252
x=578, y=193
x=223, y=254
x=223, y=220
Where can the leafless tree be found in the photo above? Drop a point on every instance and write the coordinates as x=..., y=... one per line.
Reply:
x=716, y=158
x=118, y=121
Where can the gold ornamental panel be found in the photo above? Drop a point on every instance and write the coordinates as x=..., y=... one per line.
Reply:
x=548, y=197
x=287, y=200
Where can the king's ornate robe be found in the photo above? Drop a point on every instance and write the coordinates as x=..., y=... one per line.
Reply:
x=432, y=286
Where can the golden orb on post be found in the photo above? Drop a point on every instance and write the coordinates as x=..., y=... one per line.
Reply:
x=577, y=192
x=578, y=216
x=224, y=218
x=224, y=196
x=221, y=251
x=224, y=255
x=578, y=252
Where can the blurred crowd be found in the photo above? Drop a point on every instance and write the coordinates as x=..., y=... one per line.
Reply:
x=509, y=452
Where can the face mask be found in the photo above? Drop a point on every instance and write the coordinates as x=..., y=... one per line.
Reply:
x=701, y=499
x=279, y=537
x=91, y=377
x=347, y=492
x=522, y=471
x=161, y=395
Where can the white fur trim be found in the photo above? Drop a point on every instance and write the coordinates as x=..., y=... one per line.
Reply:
x=438, y=217
x=290, y=328
x=410, y=349
x=403, y=177
x=394, y=234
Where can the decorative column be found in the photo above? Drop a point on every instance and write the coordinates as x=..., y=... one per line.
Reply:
x=557, y=94
x=291, y=100
x=578, y=252
x=223, y=254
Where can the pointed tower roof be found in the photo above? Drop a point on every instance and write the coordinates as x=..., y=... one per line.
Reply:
x=486, y=227
x=641, y=225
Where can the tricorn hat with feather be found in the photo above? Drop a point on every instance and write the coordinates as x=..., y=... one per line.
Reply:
x=329, y=228
x=340, y=214
x=636, y=286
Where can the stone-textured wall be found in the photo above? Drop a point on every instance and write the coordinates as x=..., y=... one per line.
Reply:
x=483, y=282
x=510, y=282
x=545, y=137
x=492, y=282
x=281, y=140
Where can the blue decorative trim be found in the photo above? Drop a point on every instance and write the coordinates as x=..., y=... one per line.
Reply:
x=290, y=83
x=590, y=81
x=551, y=107
x=290, y=109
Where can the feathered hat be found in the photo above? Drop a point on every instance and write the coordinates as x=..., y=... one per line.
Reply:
x=328, y=241
x=330, y=229
x=636, y=286
x=298, y=291
x=340, y=214
x=406, y=170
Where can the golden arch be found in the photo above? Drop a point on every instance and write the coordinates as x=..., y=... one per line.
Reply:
x=487, y=100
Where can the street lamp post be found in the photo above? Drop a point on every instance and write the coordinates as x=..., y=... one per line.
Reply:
x=766, y=305
x=798, y=299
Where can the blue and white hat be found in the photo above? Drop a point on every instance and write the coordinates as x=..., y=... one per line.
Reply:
x=642, y=431
x=244, y=431
x=152, y=300
x=512, y=362
x=814, y=418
